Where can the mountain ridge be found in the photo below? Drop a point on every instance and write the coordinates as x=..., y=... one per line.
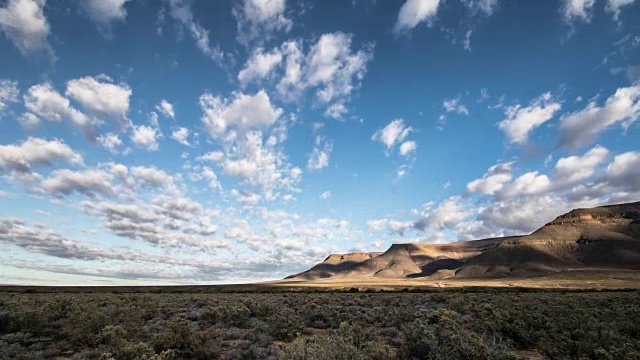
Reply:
x=606, y=237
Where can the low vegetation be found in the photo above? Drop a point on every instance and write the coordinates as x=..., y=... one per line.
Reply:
x=453, y=324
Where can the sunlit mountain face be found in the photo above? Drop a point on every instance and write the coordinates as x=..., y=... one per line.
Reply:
x=162, y=142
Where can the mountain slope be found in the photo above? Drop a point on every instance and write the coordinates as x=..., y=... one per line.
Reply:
x=602, y=237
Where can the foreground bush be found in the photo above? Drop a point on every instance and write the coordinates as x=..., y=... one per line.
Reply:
x=441, y=325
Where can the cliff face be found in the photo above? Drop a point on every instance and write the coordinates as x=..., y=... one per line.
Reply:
x=602, y=237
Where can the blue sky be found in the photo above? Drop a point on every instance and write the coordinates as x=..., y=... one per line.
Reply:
x=176, y=141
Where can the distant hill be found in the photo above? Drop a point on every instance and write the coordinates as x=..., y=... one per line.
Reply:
x=606, y=237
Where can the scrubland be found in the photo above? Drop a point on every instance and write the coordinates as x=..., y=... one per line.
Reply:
x=411, y=324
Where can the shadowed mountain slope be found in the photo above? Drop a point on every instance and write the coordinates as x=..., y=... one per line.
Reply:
x=606, y=237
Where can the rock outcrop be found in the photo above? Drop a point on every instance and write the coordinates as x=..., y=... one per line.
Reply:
x=601, y=237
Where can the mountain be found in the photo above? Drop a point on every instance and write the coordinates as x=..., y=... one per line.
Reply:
x=606, y=237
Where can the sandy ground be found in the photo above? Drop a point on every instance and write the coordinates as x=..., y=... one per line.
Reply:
x=579, y=279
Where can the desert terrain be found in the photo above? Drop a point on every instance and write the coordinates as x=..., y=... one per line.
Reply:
x=584, y=248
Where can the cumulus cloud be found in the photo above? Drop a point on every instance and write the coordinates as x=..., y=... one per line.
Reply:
x=575, y=169
x=624, y=171
x=180, y=11
x=447, y=215
x=36, y=152
x=521, y=121
x=110, y=141
x=8, y=93
x=580, y=128
x=334, y=67
x=407, y=148
x=493, y=180
x=246, y=198
x=395, y=132
x=325, y=195
x=213, y=156
x=259, y=19
x=166, y=108
x=181, y=135
x=615, y=6
x=331, y=67
x=319, y=158
x=455, y=105
x=243, y=112
x=260, y=65
x=151, y=175
x=573, y=10
x=100, y=95
x=414, y=12
x=104, y=13
x=260, y=164
x=88, y=182
x=44, y=101
x=146, y=137
x=23, y=22
x=29, y=121
x=40, y=240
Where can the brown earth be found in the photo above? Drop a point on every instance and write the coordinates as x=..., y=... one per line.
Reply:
x=602, y=240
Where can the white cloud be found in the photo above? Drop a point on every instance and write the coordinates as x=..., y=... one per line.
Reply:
x=582, y=127
x=413, y=12
x=181, y=135
x=493, y=180
x=260, y=19
x=100, y=95
x=292, y=83
x=454, y=105
x=334, y=68
x=577, y=10
x=400, y=227
x=88, y=182
x=531, y=183
x=407, y=148
x=24, y=23
x=209, y=175
x=8, y=93
x=246, y=198
x=166, y=108
x=110, y=141
x=336, y=111
x=153, y=119
x=330, y=67
x=325, y=195
x=624, y=171
x=29, y=121
x=377, y=225
x=614, y=6
x=260, y=65
x=319, y=158
x=486, y=7
x=447, y=215
x=43, y=100
x=180, y=10
x=243, y=112
x=35, y=151
x=145, y=137
x=393, y=133
x=466, y=42
x=402, y=171
x=575, y=169
x=521, y=121
x=151, y=175
x=259, y=163
x=103, y=13
x=213, y=156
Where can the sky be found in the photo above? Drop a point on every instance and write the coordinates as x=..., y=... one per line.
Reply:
x=202, y=142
